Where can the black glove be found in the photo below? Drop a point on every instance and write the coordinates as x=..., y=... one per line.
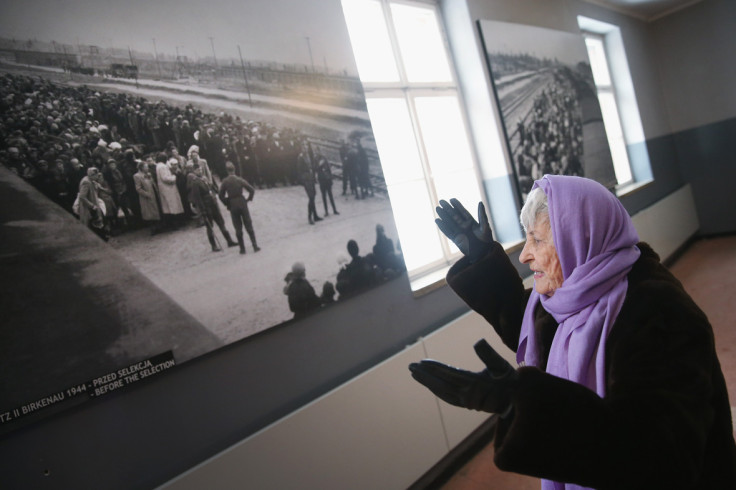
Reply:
x=488, y=391
x=473, y=238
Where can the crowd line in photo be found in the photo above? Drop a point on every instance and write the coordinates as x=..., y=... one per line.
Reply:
x=51, y=134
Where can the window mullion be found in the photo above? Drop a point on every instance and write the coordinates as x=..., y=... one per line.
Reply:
x=418, y=100
x=424, y=159
x=408, y=90
x=398, y=59
x=430, y=177
x=617, y=145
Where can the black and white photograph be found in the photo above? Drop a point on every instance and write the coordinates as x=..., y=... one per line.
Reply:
x=547, y=97
x=221, y=148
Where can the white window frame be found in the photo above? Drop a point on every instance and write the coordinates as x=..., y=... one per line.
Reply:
x=625, y=98
x=610, y=89
x=409, y=91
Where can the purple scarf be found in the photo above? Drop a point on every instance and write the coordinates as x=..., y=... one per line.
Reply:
x=596, y=244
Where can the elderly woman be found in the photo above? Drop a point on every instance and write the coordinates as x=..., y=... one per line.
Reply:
x=620, y=386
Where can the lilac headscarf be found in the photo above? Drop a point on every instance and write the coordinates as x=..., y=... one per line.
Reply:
x=596, y=244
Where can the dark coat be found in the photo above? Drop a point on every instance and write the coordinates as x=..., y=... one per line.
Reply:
x=302, y=298
x=147, y=191
x=324, y=174
x=665, y=422
x=231, y=192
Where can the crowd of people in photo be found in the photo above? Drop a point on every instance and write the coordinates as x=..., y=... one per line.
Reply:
x=355, y=275
x=550, y=137
x=139, y=156
x=121, y=162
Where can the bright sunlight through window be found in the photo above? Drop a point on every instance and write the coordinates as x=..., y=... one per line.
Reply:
x=417, y=121
x=609, y=108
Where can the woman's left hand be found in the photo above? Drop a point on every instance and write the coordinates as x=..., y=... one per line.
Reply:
x=473, y=238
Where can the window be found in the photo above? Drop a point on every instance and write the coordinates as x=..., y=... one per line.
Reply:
x=417, y=118
x=607, y=98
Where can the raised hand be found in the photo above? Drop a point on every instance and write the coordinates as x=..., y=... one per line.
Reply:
x=473, y=238
x=489, y=390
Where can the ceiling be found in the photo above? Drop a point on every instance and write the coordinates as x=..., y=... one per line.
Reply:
x=646, y=9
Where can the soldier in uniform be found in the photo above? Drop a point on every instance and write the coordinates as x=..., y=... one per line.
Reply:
x=324, y=177
x=202, y=197
x=306, y=177
x=231, y=194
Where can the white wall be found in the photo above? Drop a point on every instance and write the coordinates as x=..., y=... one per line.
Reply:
x=381, y=430
x=669, y=223
x=695, y=52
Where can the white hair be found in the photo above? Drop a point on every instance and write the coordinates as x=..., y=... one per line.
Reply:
x=535, y=205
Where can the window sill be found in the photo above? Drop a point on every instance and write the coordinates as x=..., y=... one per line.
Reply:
x=431, y=281
x=632, y=187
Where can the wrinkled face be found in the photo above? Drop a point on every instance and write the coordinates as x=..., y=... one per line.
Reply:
x=540, y=253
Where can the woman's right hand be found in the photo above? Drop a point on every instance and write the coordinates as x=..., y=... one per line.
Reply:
x=489, y=390
x=473, y=238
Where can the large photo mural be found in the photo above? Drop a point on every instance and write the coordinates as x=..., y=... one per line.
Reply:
x=549, y=106
x=221, y=148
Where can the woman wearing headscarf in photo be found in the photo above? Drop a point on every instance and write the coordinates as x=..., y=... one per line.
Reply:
x=619, y=385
